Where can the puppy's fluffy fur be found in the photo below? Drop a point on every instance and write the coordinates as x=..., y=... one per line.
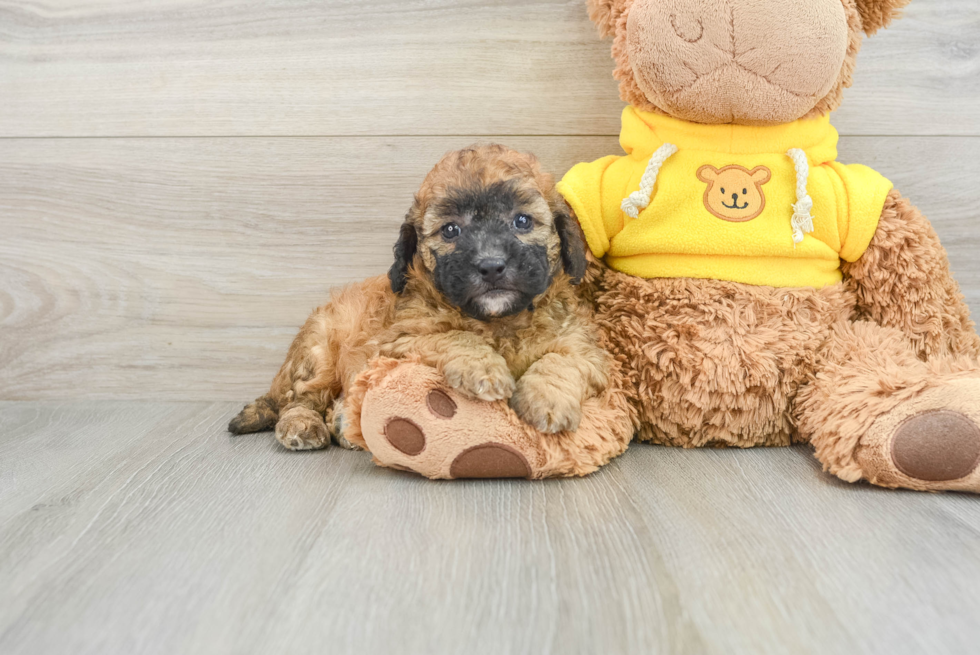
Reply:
x=481, y=289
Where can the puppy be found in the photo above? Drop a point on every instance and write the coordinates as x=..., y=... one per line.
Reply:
x=481, y=289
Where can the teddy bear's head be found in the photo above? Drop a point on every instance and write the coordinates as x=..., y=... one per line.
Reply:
x=750, y=62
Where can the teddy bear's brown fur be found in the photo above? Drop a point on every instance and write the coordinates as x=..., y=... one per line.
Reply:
x=879, y=372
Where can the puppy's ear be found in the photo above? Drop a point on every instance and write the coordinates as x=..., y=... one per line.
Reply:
x=876, y=14
x=572, y=242
x=405, y=248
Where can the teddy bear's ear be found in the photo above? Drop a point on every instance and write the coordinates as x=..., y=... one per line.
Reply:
x=708, y=173
x=605, y=13
x=760, y=174
x=876, y=14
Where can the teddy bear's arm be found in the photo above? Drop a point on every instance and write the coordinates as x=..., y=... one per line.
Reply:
x=903, y=281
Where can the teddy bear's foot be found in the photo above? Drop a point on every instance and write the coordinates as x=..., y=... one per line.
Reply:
x=931, y=442
x=414, y=421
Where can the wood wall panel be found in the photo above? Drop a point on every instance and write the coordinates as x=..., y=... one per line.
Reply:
x=376, y=67
x=181, y=268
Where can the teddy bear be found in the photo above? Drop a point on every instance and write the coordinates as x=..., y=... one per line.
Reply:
x=759, y=292
x=751, y=290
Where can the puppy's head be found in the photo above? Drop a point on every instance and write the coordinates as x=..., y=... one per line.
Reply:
x=490, y=231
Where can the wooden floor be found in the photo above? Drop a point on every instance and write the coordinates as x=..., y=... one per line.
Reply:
x=181, y=181
x=137, y=527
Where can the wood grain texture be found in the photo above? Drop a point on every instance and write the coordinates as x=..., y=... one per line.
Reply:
x=182, y=268
x=144, y=528
x=433, y=67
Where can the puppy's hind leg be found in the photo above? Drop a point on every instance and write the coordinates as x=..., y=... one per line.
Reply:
x=329, y=349
x=258, y=416
x=308, y=382
x=337, y=424
x=302, y=428
x=299, y=426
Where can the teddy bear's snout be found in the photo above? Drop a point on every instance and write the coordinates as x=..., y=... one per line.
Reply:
x=741, y=60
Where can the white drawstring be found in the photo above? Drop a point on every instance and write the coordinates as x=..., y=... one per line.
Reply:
x=802, y=221
x=638, y=200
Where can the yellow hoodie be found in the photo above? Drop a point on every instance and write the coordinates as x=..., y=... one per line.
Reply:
x=722, y=206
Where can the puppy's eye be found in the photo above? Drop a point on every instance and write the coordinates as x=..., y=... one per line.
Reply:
x=723, y=190
x=745, y=192
x=450, y=231
x=523, y=222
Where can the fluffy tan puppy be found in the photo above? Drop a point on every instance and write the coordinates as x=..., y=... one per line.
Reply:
x=481, y=289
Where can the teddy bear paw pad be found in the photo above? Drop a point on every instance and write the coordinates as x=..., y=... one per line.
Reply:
x=441, y=404
x=490, y=460
x=411, y=420
x=929, y=442
x=936, y=446
x=404, y=435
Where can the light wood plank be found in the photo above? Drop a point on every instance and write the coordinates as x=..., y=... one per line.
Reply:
x=367, y=67
x=145, y=528
x=181, y=268
x=774, y=556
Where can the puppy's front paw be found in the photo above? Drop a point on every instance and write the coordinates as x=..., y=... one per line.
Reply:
x=484, y=378
x=544, y=405
x=300, y=428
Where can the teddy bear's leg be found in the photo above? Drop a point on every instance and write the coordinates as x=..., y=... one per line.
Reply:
x=875, y=411
x=410, y=419
x=903, y=281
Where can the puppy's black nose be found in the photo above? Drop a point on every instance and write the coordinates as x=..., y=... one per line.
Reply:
x=491, y=269
x=735, y=197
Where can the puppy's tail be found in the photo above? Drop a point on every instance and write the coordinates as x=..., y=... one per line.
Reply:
x=256, y=417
